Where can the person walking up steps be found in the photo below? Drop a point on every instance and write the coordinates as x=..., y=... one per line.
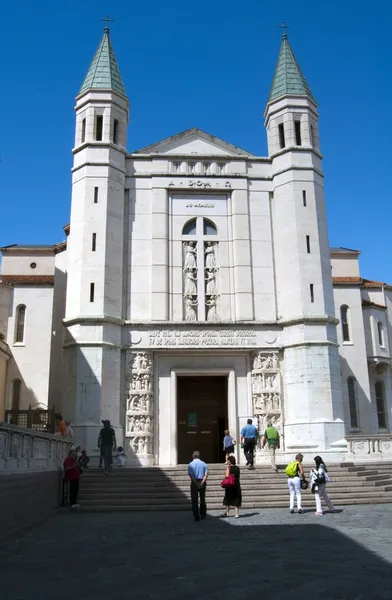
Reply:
x=233, y=493
x=271, y=437
x=198, y=473
x=249, y=435
x=107, y=443
x=228, y=444
x=319, y=479
x=295, y=472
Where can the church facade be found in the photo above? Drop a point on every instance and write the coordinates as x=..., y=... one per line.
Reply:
x=196, y=288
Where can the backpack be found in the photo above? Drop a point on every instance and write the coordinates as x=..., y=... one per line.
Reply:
x=292, y=469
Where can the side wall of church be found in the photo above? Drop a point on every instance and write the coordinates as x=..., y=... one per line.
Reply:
x=353, y=358
x=31, y=359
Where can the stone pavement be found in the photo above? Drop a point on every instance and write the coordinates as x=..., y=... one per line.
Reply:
x=269, y=554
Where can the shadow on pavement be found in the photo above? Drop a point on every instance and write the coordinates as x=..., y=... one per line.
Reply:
x=169, y=556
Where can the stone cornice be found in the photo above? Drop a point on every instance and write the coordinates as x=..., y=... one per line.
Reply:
x=297, y=168
x=304, y=344
x=93, y=344
x=312, y=320
x=100, y=144
x=93, y=320
x=199, y=157
x=199, y=176
x=102, y=319
x=99, y=164
x=299, y=149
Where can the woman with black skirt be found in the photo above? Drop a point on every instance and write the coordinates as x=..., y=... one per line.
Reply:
x=233, y=494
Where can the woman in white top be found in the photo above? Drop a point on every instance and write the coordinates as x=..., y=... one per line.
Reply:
x=319, y=479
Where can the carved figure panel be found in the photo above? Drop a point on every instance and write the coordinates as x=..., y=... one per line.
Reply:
x=267, y=400
x=139, y=427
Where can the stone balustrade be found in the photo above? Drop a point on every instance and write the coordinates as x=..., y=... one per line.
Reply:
x=24, y=450
x=373, y=447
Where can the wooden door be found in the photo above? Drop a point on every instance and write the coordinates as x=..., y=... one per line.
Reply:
x=202, y=417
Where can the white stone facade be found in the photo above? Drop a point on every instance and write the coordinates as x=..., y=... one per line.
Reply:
x=193, y=257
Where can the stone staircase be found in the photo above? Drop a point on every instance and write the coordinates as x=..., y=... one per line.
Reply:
x=154, y=488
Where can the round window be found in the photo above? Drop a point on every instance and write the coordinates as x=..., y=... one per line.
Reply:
x=33, y=265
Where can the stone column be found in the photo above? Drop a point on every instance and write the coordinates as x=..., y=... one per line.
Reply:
x=160, y=255
x=139, y=426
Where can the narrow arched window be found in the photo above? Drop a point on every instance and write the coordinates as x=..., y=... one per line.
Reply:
x=380, y=331
x=344, y=323
x=189, y=228
x=209, y=228
x=352, y=403
x=20, y=324
x=380, y=404
x=16, y=385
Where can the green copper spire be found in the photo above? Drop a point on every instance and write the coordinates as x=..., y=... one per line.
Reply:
x=288, y=78
x=104, y=72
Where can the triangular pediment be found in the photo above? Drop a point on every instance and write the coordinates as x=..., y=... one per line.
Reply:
x=193, y=142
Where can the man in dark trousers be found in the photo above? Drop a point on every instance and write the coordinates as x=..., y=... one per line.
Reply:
x=249, y=435
x=198, y=473
x=107, y=443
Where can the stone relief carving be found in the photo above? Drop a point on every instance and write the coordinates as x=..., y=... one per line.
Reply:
x=190, y=308
x=267, y=402
x=211, y=281
x=139, y=405
x=190, y=261
x=190, y=281
x=210, y=251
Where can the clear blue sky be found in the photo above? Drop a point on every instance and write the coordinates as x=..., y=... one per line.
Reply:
x=205, y=64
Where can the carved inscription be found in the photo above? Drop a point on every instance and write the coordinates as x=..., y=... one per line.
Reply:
x=203, y=337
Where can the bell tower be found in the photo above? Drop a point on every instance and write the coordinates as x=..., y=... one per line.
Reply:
x=311, y=363
x=94, y=302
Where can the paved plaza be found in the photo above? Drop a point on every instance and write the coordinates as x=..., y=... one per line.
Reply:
x=269, y=554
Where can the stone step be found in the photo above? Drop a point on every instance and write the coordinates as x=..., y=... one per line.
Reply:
x=272, y=497
x=152, y=488
x=245, y=476
x=308, y=505
x=109, y=485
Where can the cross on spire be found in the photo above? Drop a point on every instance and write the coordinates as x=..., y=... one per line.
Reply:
x=107, y=21
x=283, y=27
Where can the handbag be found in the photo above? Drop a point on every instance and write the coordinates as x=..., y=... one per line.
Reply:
x=228, y=481
x=304, y=484
x=321, y=478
